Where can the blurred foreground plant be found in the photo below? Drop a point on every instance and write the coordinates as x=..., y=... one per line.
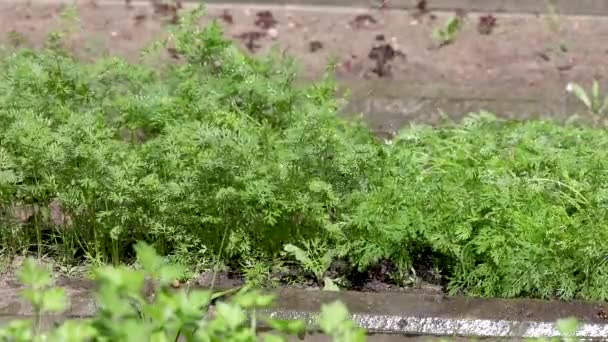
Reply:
x=130, y=312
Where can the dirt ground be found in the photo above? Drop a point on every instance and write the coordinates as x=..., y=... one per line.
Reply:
x=520, y=50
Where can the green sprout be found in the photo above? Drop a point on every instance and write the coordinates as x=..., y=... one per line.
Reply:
x=445, y=34
x=595, y=103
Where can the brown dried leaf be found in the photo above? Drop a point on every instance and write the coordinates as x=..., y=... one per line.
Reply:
x=486, y=24
x=265, y=20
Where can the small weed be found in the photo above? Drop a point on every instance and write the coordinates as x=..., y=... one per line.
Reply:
x=315, y=258
x=554, y=22
x=446, y=34
x=595, y=102
x=68, y=24
x=553, y=19
x=16, y=38
x=258, y=274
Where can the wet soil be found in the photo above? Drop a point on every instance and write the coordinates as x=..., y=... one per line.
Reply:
x=508, y=50
x=378, y=279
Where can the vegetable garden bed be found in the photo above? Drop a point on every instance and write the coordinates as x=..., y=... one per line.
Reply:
x=221, y=158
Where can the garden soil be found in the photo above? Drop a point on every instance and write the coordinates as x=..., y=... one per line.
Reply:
x=509, y=52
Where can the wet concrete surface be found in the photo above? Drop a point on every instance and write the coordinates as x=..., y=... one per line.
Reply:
x=439, y=306
x=393, y=313
x=48, y=322
x=392, y=338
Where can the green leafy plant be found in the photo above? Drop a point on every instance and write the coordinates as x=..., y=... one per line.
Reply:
x=128, y=313
x=335, y=321
x=567, y=328
x=447, y=33
x=316, y=259
x=176, y=155
x=43, y=298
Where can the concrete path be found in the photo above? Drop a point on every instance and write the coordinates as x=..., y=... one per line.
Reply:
x=393, y=313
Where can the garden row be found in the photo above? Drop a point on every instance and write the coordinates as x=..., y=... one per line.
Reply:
x=221, y=156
